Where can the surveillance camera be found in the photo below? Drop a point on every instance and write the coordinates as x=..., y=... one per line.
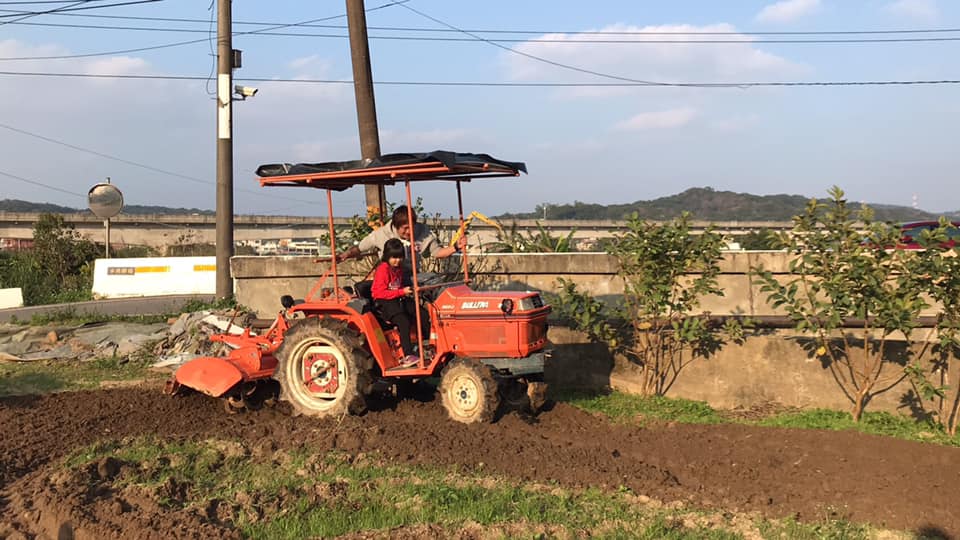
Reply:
x=245, y=91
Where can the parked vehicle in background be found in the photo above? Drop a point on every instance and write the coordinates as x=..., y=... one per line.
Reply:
x=910, y=239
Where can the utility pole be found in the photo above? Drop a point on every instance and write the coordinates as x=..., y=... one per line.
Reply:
x=366, y=105
x=224, y=148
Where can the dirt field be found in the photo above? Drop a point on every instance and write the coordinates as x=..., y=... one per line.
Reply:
x=777, y=472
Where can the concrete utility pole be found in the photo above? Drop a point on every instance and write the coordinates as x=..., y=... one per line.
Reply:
x=224, y=148
x=366, y=105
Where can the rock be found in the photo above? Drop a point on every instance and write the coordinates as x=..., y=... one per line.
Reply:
x=108, y=468
x=114, y=331
x=63, y=352
x=20, y=336
x=174, y=360
x=130, y=344
x=16, y=348
x=7, y=357
x=179, y=326
x=223, y=324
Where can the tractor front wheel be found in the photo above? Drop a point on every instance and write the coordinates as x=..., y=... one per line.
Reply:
x=469, y=391
x=322, y=370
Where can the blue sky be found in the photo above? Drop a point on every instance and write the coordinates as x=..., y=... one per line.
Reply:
x=596, y=144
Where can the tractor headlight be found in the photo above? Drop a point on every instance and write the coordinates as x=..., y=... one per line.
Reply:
x=531, y=302
x=506, y=306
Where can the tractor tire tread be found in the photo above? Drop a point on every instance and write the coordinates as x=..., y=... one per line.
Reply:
x=336, y=334
x=488, y=398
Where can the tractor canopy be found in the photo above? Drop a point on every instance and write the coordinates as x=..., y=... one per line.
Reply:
x=387, y=170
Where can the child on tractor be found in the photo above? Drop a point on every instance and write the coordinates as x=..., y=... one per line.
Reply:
x=394, y=297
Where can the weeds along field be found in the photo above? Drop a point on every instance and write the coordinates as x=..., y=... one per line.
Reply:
x=130, y=462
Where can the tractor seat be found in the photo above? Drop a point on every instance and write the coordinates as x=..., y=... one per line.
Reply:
x=364, y=291
x=288, y=301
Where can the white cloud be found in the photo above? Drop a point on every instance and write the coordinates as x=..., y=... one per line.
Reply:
x=655, y=61
x=736, y=124
x=118, y=65
x=313, y=62
x=672, y=118
x=787, y=11
x=924, y=10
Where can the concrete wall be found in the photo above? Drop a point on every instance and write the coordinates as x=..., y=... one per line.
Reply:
x=769, y=367
x=772, y=367
x=161, y=231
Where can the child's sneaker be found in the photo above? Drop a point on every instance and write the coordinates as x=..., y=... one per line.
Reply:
x=410, y=360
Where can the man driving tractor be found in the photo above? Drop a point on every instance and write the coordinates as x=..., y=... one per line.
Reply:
x=427, y=244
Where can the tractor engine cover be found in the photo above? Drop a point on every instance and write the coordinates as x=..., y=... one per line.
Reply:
x=492, y=324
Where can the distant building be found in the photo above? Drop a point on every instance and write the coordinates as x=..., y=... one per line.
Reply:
x=15, y=244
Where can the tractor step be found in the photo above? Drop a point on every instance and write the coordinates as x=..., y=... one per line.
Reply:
x=402, y=370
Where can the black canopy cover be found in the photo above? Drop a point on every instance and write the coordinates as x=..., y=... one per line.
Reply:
x=388, y=169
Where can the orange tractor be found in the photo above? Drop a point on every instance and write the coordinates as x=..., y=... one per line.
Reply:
x=332, y=351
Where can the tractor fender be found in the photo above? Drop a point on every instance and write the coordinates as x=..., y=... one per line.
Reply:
x=210, y=375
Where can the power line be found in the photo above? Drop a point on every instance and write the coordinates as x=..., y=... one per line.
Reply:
x=74, y=7
x=189, y=42
x=48, y=2
x=41, y=184
x=133, y=163
x=266, y=32
x=529, y=31
x=741, y=85
x=34, y=14
x=532, y=56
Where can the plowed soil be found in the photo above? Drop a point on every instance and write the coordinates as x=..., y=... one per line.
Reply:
x=776, y=472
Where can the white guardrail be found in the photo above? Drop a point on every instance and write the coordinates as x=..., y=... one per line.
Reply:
x=11, y=298
x=155, y=276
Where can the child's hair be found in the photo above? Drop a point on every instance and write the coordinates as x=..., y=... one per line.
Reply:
x=393, y=248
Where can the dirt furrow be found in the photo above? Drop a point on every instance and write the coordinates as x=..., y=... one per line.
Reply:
x=778, y=472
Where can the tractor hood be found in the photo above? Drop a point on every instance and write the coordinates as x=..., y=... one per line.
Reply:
x=460, y=300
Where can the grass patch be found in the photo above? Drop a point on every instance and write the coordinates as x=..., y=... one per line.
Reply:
x=875, y=423
x=625, y=407
x=303, y=495
x=830, y=528
x=299, y=495
x=620, y=406
x=45, y=376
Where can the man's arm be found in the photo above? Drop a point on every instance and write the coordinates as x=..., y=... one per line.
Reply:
x=351, y=253
x=433, y=248
x=447, y=251
x=370, y=243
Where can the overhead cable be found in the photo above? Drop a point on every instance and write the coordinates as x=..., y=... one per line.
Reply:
x=662, y=36
x=41, y=184
x=133, y=163
x=628, y=84
x=531, y=31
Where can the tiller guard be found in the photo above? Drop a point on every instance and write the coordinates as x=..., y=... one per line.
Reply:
x=251, y=359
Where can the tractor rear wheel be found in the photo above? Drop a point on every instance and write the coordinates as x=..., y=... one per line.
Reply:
x=322, y=370
x=469, y=391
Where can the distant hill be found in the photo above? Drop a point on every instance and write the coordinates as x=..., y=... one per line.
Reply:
x=704, y=204
x=14, y=205
x=707, y=204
